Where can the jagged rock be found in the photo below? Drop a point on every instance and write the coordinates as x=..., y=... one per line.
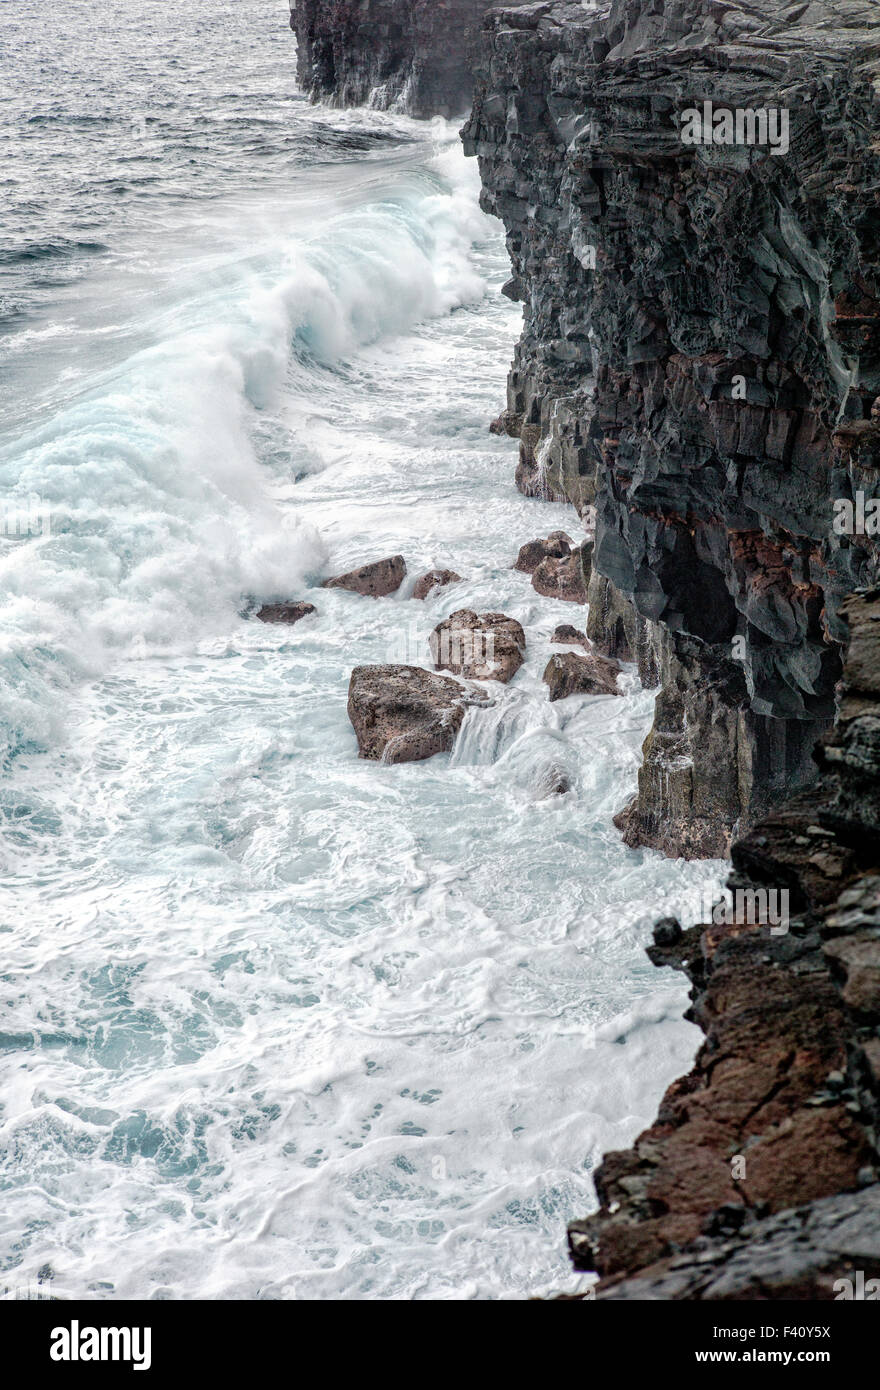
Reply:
x=480, y=646
x=811, y=1253
x=556, y=546
x=782, y=1107
x=565, y=579
x=402, y=714
x=617, y=630
x=663, y=370
x=851, y=752
x=667, y=931
x=571, y=674
x=509, y=423
x=434, y=579
x=418, y=54
x=376, y=580
x=285, y=612
x=565, y=633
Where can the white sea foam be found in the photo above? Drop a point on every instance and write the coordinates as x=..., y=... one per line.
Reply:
x=280, y=1022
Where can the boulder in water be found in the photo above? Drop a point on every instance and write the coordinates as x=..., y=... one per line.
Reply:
x=480, y=646
x=556, y=546
x=434, y=579
x=402, y=714
x=285, y=612
x=565, y=634
x=569, y=673
x=565, y=578
x=376, y=580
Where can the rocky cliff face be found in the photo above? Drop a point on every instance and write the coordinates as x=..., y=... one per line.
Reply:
x=759, y=1177
x=415, y=54
x=700, y=358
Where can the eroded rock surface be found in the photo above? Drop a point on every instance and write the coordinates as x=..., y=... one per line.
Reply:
x=557, y=546
x=565, y=579
x=426, y=584
x=402, y=714
x=565, y=634
x=700, y=358
x=285, y=612
x=569, y=673
x=759, y=1177
x=375, y=580
x=417, y=54
x=480, y=646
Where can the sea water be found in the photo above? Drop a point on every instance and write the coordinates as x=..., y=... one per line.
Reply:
x=276, y=1022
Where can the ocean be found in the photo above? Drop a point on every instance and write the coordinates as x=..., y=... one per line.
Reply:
x=276, y=1022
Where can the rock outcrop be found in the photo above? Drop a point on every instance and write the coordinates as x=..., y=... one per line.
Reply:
x=417, y=55
x=402, y=714
x=700, y=357
x=759, y=1177
x=479, y=646
x=375, y=580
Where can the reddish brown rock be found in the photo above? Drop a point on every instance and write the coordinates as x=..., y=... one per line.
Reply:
x=556, y=546
x=434, y=579
x=567, y=635
x=569, y=673
x=402, y=714
x=376, y=580
x=481, y=646
x=285, y=612
x=567, y=578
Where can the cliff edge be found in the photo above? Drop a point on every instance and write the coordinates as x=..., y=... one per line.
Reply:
x=691, y=194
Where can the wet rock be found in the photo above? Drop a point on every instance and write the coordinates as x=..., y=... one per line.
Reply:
x=808, y=1254
x=556, y=546
x=667, y=931
x=414, y=54
x=554, y=781
x=618, y=630
x=434, y=579
x=480, y=646
x=571, y=674
x=375, y=580
x=285, y=612
x=761, y=1166
x=661, y=376
x=565, y=579
x=402, y=714
x=572, y=636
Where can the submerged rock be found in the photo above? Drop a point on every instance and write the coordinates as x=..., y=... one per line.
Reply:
x=434, y=579
x=481, y=646
x=376, y=580
x=285, y=612
x=402, y=714
x=569, y=673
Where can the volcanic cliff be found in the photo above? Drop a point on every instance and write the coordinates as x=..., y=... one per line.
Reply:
x=699, y=375
x=417, y=55
x=700, y=358
x=700, y=370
